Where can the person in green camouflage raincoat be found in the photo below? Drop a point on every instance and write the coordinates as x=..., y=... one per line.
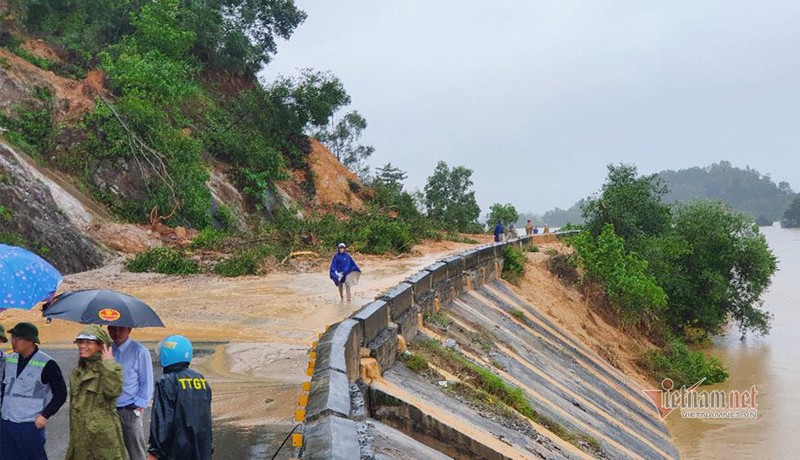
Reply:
x=94, y=386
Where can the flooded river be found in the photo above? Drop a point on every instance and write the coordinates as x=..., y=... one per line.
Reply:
x=768, y=362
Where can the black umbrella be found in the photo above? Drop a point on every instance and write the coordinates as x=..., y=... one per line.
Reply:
x=104, y=307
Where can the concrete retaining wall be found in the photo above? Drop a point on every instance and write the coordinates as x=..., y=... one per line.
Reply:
x=329, y=432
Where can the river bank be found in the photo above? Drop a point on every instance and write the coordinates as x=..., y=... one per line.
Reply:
x=767, y=362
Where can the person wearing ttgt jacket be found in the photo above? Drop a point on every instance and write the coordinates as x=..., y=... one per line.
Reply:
x=180, y=425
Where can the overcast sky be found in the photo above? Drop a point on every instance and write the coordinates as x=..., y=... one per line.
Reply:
x=538, y=97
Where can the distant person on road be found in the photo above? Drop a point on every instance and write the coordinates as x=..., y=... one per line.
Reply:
x=529, y=228
x=535, y=229
x=33, y=391
x=180, y=426
x=137, y=389
x=498, y=231
x=95, y=384
x=344, y=272
x=511, y=232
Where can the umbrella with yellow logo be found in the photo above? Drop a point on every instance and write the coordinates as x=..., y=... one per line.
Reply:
x=104, y=307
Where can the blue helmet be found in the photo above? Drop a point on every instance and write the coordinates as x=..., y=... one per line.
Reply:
x=175, y=349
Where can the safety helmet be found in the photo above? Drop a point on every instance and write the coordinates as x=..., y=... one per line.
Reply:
x=175, y=349
x=342, y=245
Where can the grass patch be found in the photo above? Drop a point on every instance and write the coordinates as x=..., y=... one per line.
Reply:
x=39, y=62
x=162, y=260
x=551, y=252
x=682, y=365
x=483, y=387
x=417, y=363
x=518, y=314
x=531, y=248
x=438, y=318
x=476, y=376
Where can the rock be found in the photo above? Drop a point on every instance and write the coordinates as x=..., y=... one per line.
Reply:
x=127, y=238
x=180, y=232
x=33, y=216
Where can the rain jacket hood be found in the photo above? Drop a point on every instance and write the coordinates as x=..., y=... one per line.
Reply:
x=96, y=331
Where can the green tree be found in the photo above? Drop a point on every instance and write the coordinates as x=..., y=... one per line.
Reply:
x=449, y=199
x=633, y=293
x=342, y=138
x=727, y=268
x=501, y=212
x=390, y=177
x=791, y=218
x=631, y=203
x=240, y=36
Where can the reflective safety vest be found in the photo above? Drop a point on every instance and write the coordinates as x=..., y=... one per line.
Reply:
x=25, y=396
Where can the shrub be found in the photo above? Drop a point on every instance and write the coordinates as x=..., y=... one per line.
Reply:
x=563, y=266
x=683, y=366
x=32, y=126
x=531, y=248
x=513, y=265
x=162, y=260
x=209, y=238
x=248, y=261
x=518, y=314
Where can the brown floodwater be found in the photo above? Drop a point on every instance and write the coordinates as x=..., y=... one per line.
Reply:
x=769, y=363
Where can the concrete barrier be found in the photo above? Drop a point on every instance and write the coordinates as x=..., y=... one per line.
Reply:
x=331, y=438
x=330, y=433
x=374, y=318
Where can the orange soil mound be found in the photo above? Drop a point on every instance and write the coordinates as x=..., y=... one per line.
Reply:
x=72, y=98
x=331, y=181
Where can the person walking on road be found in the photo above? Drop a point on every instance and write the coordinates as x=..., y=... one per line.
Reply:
x=95, y=432
x=498, y=231
x=33, y=391
x=529, y=228
x=137, y=389
x=511, y=231
x=180, y=425
x=344, y=272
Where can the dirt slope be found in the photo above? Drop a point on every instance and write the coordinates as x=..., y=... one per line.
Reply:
x=331, y=181
x=569, y=308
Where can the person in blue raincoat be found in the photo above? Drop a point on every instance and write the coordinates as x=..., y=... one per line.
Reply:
x=344, y=271
x=498, y=231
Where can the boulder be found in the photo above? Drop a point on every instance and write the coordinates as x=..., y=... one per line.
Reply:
x=31, y=217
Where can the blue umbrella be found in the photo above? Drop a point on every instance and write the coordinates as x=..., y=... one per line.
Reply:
x=25, y=278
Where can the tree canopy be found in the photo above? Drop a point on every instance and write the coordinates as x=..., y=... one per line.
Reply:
x=709, y=264
x=631, y=203
x=450, y=200
x=342, y=139
x=501, y=212
x=791, y=218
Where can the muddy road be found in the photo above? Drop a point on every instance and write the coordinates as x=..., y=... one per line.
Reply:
x=255, y=333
